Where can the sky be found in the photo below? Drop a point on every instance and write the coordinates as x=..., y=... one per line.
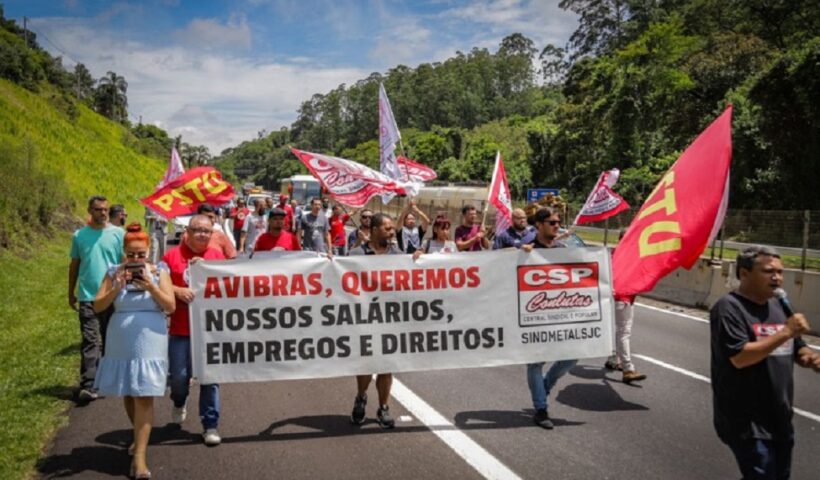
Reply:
x=218, y=72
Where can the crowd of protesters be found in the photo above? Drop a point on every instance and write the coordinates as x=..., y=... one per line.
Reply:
x=133, y=301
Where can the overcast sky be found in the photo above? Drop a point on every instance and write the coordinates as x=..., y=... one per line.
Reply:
x=217, y=72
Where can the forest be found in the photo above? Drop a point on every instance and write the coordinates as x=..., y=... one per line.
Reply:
x=635, y=84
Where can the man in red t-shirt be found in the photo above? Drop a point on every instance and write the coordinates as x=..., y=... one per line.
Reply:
x=285, y=207
x=194, y=248
x=238, y=215
x=337, y=230
x=276, y=238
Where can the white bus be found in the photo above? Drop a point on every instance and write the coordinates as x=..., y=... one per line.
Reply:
x=301, y=188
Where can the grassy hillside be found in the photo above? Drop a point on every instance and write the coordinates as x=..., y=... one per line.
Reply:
x=53, y=156
x=45, y=134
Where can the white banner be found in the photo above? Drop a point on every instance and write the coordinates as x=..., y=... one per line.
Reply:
x=275, y=319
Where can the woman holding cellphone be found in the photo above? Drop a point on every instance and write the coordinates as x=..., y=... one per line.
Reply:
x=135, y=361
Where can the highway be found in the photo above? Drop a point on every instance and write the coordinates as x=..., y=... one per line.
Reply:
x=469, y=423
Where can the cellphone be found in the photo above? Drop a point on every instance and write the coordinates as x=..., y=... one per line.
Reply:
x=135, y=269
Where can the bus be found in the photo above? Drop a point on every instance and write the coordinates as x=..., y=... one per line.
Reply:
x=301, y=188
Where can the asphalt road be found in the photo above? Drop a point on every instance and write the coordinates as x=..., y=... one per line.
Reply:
x=469, y=423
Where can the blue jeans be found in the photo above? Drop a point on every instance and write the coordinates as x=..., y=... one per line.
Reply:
x=540, y=386
x=763, y=459
x=179, y=366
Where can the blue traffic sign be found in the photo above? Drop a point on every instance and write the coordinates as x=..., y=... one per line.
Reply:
x=533, y=194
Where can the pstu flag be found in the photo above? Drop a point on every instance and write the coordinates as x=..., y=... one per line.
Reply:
x=500, y=196
x=175, y=169
x=682, y=214
x=349, y=182
x=184, y=194
x=602, y=202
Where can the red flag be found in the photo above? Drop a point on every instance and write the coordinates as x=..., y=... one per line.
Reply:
x=602, y=202
x=500, y=196
x=416, y=171
x=184, y=194
x=681, y=215
x=352, y=183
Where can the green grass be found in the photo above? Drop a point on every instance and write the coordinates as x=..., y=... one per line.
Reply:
x=789, y=261
x=88, y=151
x=39, y=354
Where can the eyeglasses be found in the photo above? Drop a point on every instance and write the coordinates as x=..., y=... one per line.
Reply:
x=367, y=217
x=554, y=222
x=203, y=231
x=136, y=255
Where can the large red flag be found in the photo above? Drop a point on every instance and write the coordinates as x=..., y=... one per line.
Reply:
x=352, y=183
x=188, y=191
x=499, y=195
x=681, y=215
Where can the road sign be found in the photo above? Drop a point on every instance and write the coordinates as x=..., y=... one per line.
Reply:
x=533, y=194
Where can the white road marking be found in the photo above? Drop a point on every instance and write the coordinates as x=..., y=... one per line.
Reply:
x=697, y=376
x=663, y=310
x=473, y=453
x=692, y=317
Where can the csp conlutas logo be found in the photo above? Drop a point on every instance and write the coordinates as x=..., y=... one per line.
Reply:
x=558, y=293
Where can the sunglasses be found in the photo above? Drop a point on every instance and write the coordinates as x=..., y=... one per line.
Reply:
x=136, y=255
x=367, y=217
x=554, y=222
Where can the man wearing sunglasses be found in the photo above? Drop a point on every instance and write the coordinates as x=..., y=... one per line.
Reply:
x=194, y=247
x=94, y=248
x=361, y=234
x=547, y=227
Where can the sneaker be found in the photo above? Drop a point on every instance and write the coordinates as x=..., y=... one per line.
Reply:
x=542, y=419
x=86, y=395
x=633, y=376
x=179, y=414
x=610, y=365
x=384, y=418
x=357, y=417
x=211, y=437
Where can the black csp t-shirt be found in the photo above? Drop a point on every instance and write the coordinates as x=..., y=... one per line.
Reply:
x=756, y=401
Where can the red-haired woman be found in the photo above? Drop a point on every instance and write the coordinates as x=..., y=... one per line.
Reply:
x=136, y=345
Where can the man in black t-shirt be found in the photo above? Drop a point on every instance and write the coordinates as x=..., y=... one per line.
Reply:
x=754, y=347
x=382, y=232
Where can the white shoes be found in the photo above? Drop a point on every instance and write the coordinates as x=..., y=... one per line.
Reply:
x=179, y=414
x=211, y=437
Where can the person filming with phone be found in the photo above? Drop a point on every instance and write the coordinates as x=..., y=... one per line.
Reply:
x=135, y=362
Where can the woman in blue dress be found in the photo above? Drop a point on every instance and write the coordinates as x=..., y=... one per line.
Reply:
x=135, y=363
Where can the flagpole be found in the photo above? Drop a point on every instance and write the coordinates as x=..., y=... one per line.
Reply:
x=490, y=188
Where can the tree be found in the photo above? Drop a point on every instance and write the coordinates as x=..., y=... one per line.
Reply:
x=601, y=28
x=195, y=155
x=83, y=83
x=111, y=99
x=554, y=65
